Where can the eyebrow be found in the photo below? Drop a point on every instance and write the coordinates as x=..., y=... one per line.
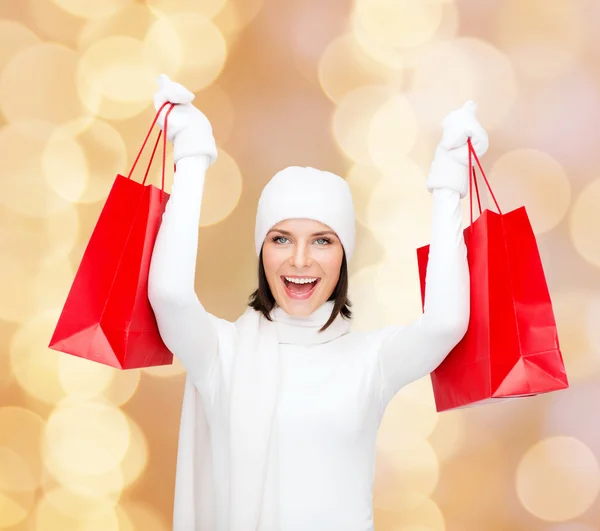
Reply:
x=320, y=233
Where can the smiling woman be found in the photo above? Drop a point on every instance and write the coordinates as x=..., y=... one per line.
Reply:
x=282, y=407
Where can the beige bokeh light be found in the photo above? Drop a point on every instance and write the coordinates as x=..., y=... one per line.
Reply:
x=222, y=190
x=413, y=459
x=61, y=509
x=558, y=479
x=584, y=222
x=43, y=76
x=133, y=21
x=392, y=134
x=206, y=8
x=352, y=118
x=85, y=9
x=14, y=509
x=86, y=437
x=465, y=68
x=345, y=66
x=50, y=285
x=542, y=39
x=187, y=46
x=449, y=434
x=362, y=180
x=122, y=387
x=141, y=516
x=83, y=379
x=399, y=211
x=532, y=178
x=399, y=23
x=411, y=410
x=571, y=312
x=34, y=365
x=166, y=371
x=21, y=148
x=15, y=472
x=96, y=154
x=13, y=38
x=235, y=16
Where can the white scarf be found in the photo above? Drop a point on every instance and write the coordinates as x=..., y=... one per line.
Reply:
x=251, y=405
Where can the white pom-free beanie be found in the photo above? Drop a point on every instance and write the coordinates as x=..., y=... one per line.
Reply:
x=305, y=192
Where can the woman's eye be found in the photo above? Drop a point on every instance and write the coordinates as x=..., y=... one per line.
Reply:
x=278, y=238
x=323, y=240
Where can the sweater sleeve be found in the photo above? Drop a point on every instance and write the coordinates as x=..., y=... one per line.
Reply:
x=411, y=352
x=184, y=325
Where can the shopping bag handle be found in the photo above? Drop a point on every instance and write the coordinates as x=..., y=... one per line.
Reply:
x=473, y=181
x=160, y=133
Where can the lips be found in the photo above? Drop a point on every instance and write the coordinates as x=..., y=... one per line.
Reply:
x=295, y=292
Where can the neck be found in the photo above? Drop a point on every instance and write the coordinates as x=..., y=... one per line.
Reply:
x=305, y=330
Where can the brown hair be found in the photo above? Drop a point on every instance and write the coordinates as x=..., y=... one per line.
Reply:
x=262, y=299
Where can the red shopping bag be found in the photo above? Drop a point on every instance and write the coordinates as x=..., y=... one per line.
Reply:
x=107, y=317
x=511, y=347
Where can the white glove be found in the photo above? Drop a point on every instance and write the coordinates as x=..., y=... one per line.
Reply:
x=450, y=166
x=188, y=129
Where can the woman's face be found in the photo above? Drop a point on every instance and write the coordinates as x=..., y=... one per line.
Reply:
x=302, y=259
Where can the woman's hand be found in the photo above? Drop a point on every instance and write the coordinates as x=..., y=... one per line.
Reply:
x=188, y=129
x=449, y=168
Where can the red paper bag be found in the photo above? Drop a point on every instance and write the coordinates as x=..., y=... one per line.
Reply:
x=511, y=347
x=107, y=316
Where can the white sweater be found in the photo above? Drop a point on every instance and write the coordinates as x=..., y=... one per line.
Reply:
x=332, y=395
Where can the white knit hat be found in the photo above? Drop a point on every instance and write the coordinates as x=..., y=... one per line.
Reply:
x=298, y=192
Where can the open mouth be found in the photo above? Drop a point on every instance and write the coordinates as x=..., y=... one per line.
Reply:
x=300, y=288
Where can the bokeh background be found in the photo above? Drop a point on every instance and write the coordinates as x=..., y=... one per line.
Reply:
x=355, y=87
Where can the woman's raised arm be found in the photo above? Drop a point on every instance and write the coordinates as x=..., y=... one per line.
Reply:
x=409, y=353
x=184, y=325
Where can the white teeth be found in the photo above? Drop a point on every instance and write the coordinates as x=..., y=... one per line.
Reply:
x=300, y=280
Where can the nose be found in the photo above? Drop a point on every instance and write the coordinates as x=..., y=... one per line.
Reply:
x=301, y=256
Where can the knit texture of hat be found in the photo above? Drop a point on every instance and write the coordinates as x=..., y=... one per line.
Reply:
x=304, y=192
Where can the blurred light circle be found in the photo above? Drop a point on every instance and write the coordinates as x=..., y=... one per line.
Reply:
x=558, y=479
x=61, y=231
x=571, y=526
x=86, y=486
x=472, y=69
x=117, y=68
x=206, y=8
x=136, y=516
x=21, y=433
x=61, y=509
x=235, y=16
x=38, y=84
x=541, y=61
x=174, y=40
x=344, y=66
x=222, y=188
x=585, y=218
x=532, y=178
x=122, y=387
x=52, y=282
x=216, y=104
x=96, y=154
x=133, y=21
x=413, y=458
x=13, y=38
x=34, y=365
x=83, y=379
x=367, y=313
x=88, y=437
x=401, y=202
x=449, y=434
x=559, y=27
x=24, y=190
x=15, y=473
x=392, y=134
x=135, y=459
x=53, y=23
x=362, y=180
x=166, y=371
x=426, y=516
x=352, y=120
x=412, y=409
x=14, y=509
x=86, y=9
x=394, y=280
x=398, y=23
x=570, y=310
